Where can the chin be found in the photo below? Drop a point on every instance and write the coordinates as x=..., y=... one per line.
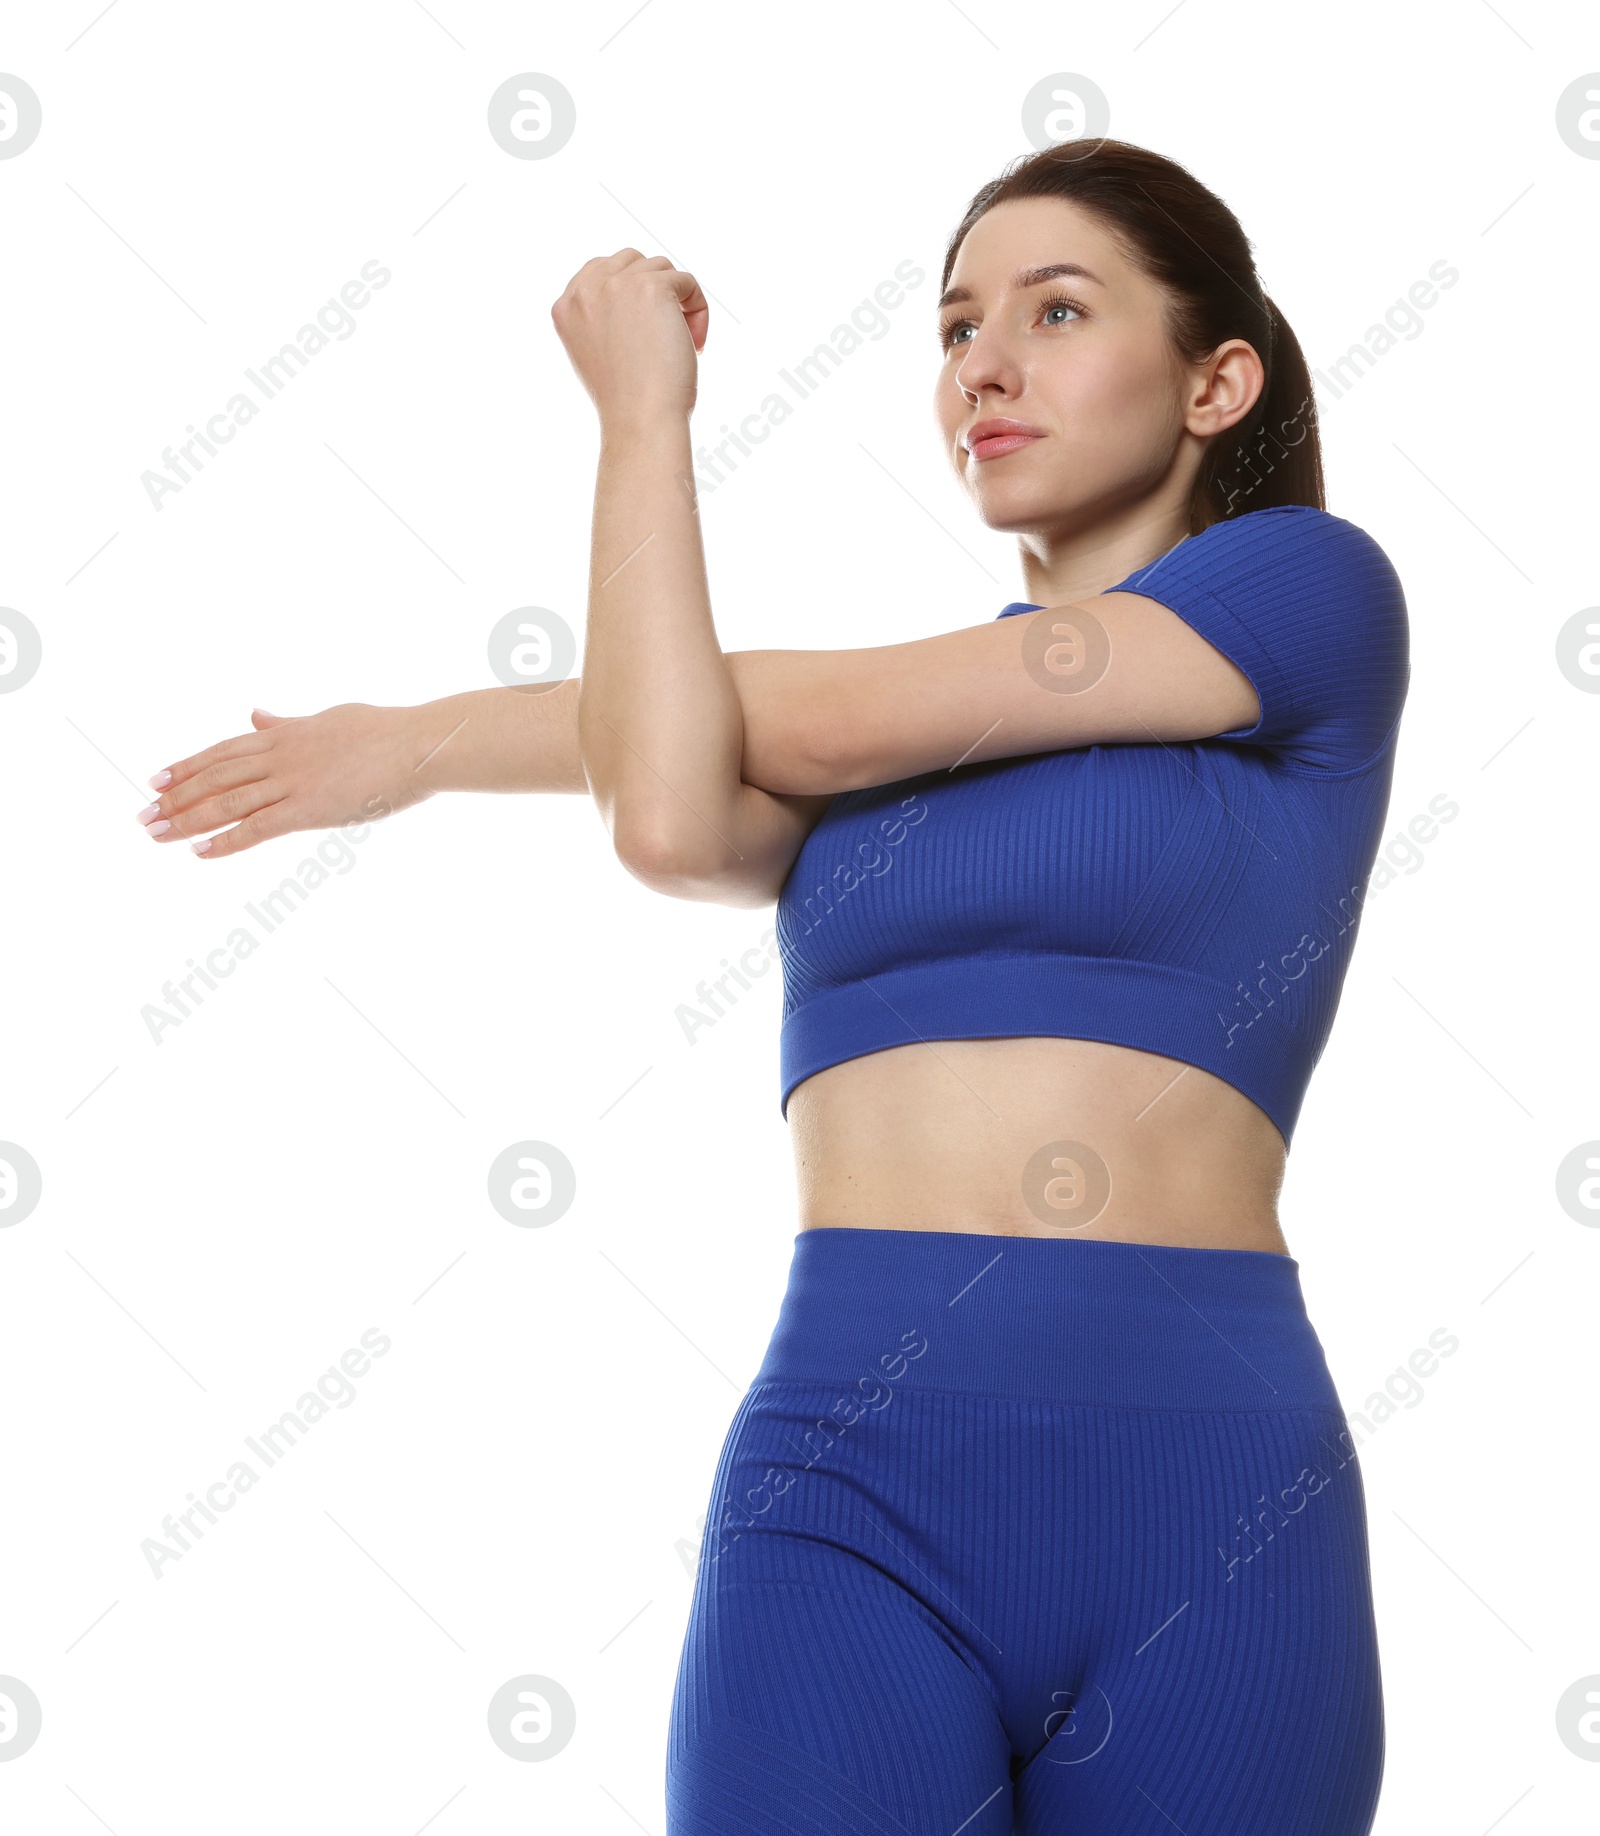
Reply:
x=1019, y=508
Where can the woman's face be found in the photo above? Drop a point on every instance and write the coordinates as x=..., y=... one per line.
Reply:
x=1078, y=357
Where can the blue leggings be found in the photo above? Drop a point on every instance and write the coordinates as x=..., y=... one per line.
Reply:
x=1014, y=1534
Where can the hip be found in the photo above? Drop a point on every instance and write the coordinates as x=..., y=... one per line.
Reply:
x=1047, y=1449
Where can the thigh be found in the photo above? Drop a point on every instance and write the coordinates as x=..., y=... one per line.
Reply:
x=816, y=1695
x=1234, y=1690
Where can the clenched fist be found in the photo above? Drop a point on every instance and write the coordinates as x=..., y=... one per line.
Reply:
x=633, y=326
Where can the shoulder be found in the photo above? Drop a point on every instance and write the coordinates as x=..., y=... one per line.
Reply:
x=1311, y=608
x=1283, y=537
x=1281, y=567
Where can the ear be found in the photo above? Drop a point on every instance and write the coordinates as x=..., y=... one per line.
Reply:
x=1225, y=388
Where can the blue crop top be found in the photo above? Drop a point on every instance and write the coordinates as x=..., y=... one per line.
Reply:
x=1195, y=899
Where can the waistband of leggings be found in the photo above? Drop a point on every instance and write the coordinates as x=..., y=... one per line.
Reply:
x=1092, y=1321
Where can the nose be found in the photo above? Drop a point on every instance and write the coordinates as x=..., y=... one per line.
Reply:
x=987, y=364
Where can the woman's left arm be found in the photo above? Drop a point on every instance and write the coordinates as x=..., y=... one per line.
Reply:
x=661, y=719
x=660, y=725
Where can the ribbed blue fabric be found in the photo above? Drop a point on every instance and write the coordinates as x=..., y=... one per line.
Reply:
x=1195, y=899
x=1024, y=1535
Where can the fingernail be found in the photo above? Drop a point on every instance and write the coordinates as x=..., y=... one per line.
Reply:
x=201, y=846
x=150, y=812
x=161, y=780
x=157, y=828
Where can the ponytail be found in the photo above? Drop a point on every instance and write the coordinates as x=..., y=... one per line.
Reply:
x=1274, y=456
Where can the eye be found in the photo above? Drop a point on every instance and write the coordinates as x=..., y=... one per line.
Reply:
x=1057, y=303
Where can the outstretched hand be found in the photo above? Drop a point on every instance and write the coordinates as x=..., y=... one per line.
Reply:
x=351, y=763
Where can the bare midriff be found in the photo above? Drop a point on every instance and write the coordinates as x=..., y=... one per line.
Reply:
x=1068, y=1138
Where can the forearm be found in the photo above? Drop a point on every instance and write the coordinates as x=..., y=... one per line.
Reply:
x=501, y=739
x=660, y=724
x=514, y=740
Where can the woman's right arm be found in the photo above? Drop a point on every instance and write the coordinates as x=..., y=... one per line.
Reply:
x=356, y=762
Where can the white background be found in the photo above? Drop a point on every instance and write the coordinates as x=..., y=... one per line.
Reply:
x=304, y=1157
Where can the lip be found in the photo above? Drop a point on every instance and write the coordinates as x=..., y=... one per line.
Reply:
x=994, y=439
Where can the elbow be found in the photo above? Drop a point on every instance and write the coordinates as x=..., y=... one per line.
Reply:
x=657, y=852
x=647, y=848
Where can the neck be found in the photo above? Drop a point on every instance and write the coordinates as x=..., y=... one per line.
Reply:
x=1062, y=567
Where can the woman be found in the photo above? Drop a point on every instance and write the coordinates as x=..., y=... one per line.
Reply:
x=1041, y=1513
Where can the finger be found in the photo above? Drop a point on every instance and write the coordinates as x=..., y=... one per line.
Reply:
x=217, y=812
x=238, y=747
x=260, y=827
x=210, y=781
x=603, y=264
x=693, y=302
x=260, y=718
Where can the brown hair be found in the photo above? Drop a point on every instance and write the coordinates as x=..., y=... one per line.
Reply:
x=1188, y=241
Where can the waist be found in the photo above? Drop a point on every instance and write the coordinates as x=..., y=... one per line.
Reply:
x=1104, y=1324
x=1037, y=1136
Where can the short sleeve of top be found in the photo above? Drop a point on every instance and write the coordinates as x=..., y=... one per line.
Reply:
x=1311, y=609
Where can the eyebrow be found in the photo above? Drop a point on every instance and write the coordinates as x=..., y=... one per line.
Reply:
x=1028, y=277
